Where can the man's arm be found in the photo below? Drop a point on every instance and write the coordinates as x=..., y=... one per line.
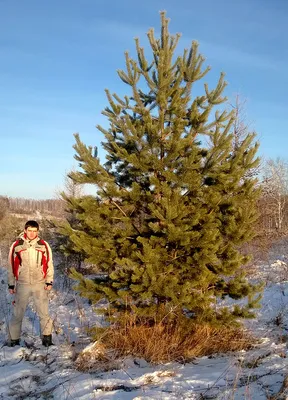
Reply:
x=11, y=277
x=50, y=269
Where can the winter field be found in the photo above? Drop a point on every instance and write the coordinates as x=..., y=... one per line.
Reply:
x=31, y=372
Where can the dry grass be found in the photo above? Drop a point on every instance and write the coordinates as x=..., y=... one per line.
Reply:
x=97, y=358
x=165, y=341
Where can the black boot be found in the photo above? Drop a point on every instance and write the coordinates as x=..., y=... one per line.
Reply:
x=47, y=340
x=14, y=342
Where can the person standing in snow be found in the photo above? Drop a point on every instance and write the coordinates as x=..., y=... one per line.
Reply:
x=30, y=274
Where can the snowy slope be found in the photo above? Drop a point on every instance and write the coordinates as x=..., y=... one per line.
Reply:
x=33, y=372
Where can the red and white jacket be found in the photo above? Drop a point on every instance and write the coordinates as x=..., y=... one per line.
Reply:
x=30, y=261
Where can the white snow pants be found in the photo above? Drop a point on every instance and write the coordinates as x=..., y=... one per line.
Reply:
x=41, y=301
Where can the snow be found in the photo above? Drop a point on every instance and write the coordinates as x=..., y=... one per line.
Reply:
x=30, y=371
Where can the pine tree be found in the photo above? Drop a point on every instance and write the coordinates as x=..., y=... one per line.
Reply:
x=174, y=201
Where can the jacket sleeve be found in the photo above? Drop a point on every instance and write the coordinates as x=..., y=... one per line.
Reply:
x=11, y=277
x=50, y=269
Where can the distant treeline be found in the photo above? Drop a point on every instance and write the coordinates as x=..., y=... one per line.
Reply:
x=273, y=210
x=21, y=205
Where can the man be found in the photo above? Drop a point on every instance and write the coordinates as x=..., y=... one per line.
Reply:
x=30, y=274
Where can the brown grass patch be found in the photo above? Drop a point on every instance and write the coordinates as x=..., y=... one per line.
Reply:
x=178, y=340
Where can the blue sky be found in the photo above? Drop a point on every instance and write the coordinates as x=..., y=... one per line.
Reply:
x=57, y=57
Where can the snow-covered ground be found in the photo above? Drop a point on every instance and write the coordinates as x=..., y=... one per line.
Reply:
x=31, y=372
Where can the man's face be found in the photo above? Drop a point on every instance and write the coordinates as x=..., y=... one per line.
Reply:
x=31, y=233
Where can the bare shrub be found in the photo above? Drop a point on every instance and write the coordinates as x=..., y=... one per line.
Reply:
x=11, y=227
x=259, y=249
x=4, y=206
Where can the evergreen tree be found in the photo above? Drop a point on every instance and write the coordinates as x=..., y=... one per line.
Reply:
x=174, y=201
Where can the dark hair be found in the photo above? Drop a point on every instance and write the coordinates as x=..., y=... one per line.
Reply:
x=31, y=224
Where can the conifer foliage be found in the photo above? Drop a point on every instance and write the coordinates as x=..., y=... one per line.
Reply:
x=174, y=201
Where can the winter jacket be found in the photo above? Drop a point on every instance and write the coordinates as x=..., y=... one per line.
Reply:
x=30, y=262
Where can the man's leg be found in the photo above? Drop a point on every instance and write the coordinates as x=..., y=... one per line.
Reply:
x=41, y=301
x=21, y=300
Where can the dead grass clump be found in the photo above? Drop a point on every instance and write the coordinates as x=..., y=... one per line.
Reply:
x=96, y=357
x=178, y=340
